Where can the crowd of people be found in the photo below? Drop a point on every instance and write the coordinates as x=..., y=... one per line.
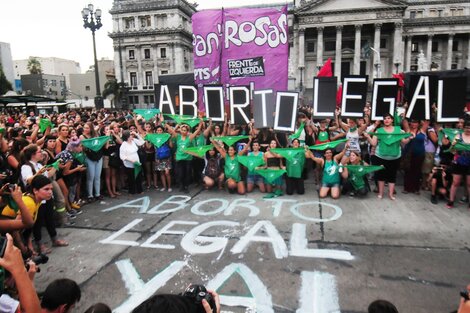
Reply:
x=51, y=165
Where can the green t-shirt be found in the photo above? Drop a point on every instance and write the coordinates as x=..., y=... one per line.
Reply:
x=388, y=152
x=357, y=180
x=295, y=167
x=181, y=145
x=331, y=173
x=232, y=168
x=200, y=141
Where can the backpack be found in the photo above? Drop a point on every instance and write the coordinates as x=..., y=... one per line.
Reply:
x=164, y=152
x=212, y=169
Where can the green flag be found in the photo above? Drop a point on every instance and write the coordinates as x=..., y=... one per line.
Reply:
x=137, y=169
x=157, y=139
x=361, y=170
x=185, y=119
x=230, y=140
x=288, y=153
x=328, y=145
x=44, y=123
x=251, y=162
x=96, y=143
x=298, y=132
x=459, y=146
x=270, y=174
x=55, y=164
x=80, y=157
x=2, y=130
x=147, y=114
x=11, y=203
x=451, y=132
x=391, y=138
x=199, y=151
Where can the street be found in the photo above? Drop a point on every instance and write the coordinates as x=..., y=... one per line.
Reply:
x=287, y=254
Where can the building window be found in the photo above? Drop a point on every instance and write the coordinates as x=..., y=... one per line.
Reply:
x=133, y=76
x=148, y=79
x=456, y=11
x=62, y=84
x=147, y=53
x=435, y=46
x=347, y=44
x=145, y=21
x=310, y=46
x=455, y=46
x=163, y=53
x=164, y=72
x=87, y=88
x=414, y=68
x=129, y=23
x=54, y=83
x=412, y=14
x=44, y=82
x=131, y=55
x=440, y=13
x=383, y=43
x=454, y=66
x=133, y=100
x=414, y=47
x=149, y=100
x=330, y=45
x=432, y=13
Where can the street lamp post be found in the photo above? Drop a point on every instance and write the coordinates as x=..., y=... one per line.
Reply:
x=94, y=23
x=378, y=64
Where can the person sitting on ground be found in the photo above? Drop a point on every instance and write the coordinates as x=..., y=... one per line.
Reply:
x=355, y=184
x=60, y=296
x=231, y=168
x=439, y=181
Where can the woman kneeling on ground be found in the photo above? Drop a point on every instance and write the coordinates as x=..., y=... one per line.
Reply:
x=231, y=168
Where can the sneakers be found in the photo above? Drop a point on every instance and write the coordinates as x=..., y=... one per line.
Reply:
x=72, y=213
x=170, y=190
x=163, y=189
x=464, y=199
x=433, y=199
x=69, y=222
x=450, y=204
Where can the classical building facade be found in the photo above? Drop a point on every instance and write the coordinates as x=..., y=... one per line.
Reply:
x=150, y=38
x=433, y=34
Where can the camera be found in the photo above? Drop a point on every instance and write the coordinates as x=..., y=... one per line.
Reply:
x=464, y=294
x=197, y=293
x=38, y=259
x=11, y=186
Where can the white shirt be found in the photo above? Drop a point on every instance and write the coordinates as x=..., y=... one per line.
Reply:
x=27, y=171
x=128, y=152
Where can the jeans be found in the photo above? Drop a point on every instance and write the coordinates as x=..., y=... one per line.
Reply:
x=93, y=176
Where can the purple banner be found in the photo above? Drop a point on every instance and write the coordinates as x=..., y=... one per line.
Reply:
x=237, y=47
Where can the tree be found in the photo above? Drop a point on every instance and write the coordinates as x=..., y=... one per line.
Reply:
x=112, y=87
x=34, y=66
x=5, y=85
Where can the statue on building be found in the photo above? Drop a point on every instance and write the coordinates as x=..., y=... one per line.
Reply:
x=422, y=62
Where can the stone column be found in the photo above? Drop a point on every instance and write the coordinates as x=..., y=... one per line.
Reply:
x=320, y=45
x=140, y=74
x=409, y=39
x=378, y=27
x=155, y=63
x=339, y=38
x=468, y=52
x=397, y=46
x=357, y=50
x=429, y=51
x=301, y=47
x=450, y=44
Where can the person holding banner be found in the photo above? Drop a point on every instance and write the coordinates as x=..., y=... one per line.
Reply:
x=387, y=141
x=274, y=161
x=131, y=141
x=183, y=160
x=461, y=164
x=331, y=179
x=353, y=133
x=231, y=168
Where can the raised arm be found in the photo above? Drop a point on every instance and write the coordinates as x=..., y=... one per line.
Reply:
x=219, y=148
x=198, y=130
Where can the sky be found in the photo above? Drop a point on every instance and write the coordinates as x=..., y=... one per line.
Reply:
x=54, y=28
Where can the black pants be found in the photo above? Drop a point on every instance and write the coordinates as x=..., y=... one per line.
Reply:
x=294, y=184
x=183, y=170
x=134, y=183
x=45, y=218
x=348, y=187
x=198, y=167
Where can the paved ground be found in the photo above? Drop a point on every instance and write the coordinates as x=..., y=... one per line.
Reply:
x=290, y=254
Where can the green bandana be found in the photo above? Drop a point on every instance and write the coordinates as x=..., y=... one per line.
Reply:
x=298, y=132
x=391, y=138
x=2, y=130
x=251, y=162
x=157, y=139
x=96, y=143
x=199, y=151
x=55, y=164
x=361, y=170
x=147, y=114
x=80, y=157
x=451, y=132
x=44, y=123
x=230, y=140
x=328, y=145
x=185, y=119
x=396, y=119
x=137, y=169
x=270, y=174
x=459, y=146
x=288, y=153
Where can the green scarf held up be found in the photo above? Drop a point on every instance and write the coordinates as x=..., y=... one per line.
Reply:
x=288, y=153
x=157, y=139
x=80, y=157
x=199, y=151
x=55, y=164
x=459, y=146
x=451, y=133
x=44, y=123
x=361, y=170
x=391, y=138
x=251, y=162
x=185, y=119
x=230, y=140
x=299, y=131
x=328, y=145
x=270, y=174
x=147, y=114
x=95, y=144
